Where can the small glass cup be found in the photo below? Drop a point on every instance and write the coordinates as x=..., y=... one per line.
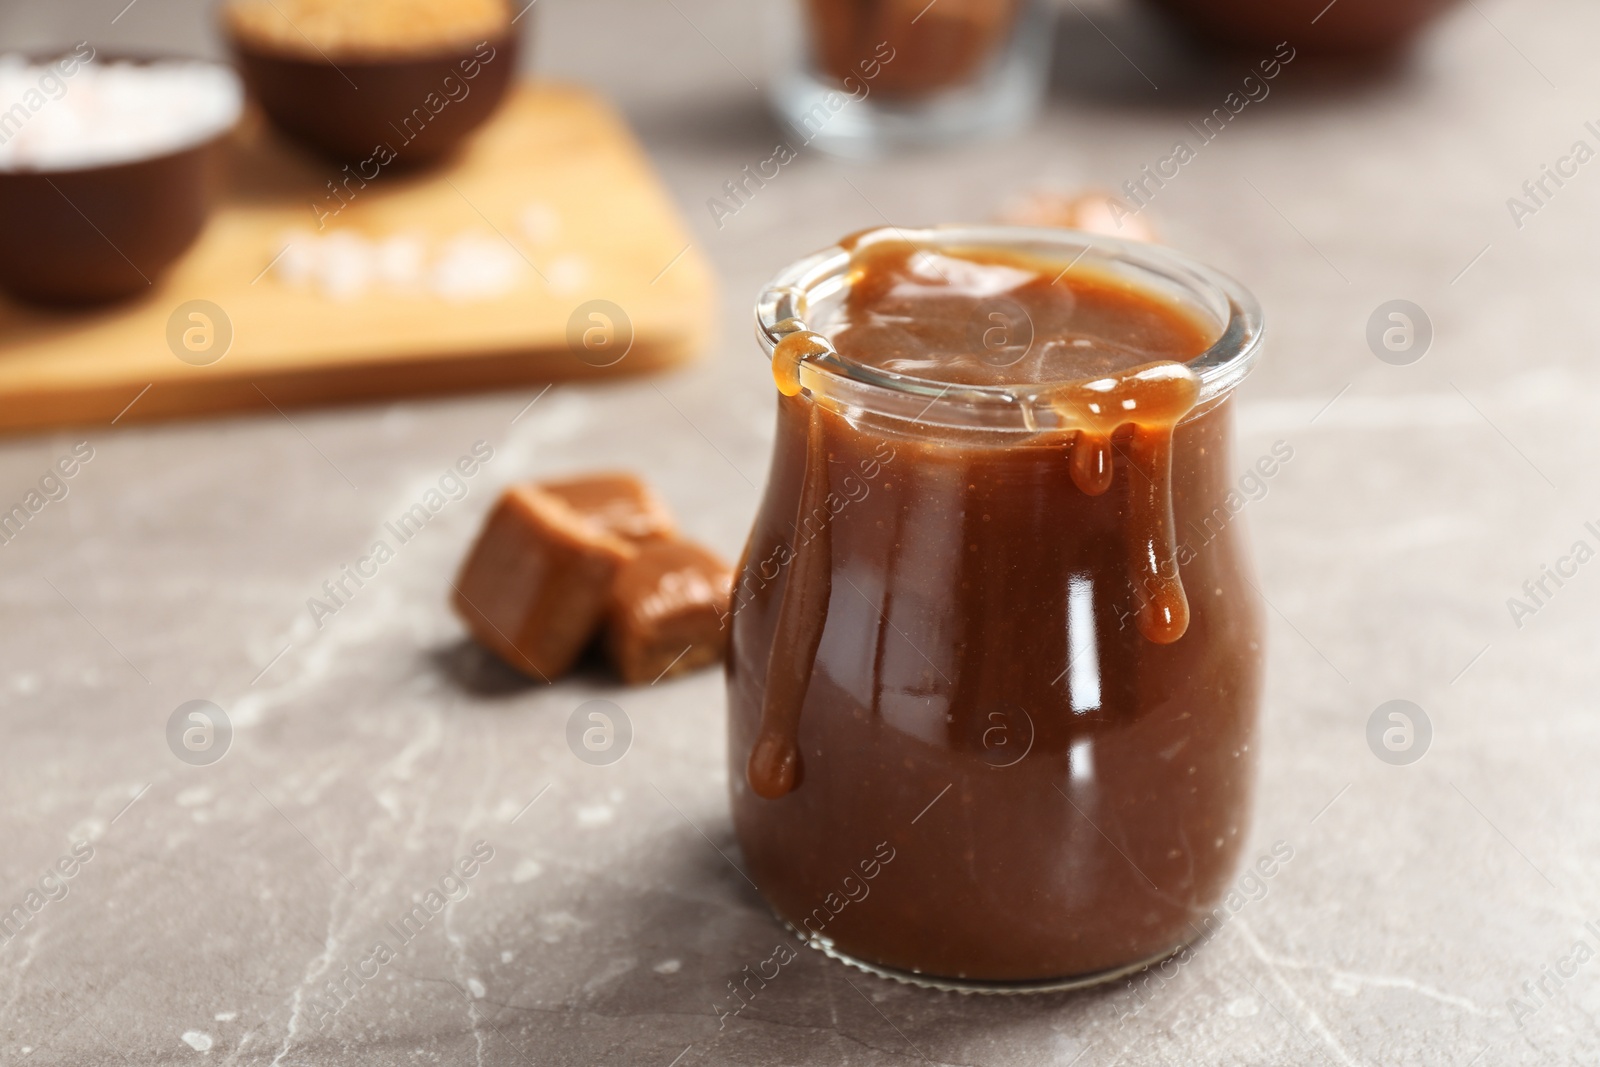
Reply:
x=861, y=77
x=1003, y=785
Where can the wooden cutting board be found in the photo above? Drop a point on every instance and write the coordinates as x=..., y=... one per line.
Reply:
x=483, y=274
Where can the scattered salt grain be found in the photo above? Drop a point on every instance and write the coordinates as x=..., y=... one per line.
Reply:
x=472, y=267
x=567, y=274
x=345, y=265
x=200, y=1042
x=595, y=815
x=540, y=224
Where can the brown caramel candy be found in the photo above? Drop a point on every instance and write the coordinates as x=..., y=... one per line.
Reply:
x=619, y=503
x=1092, y=212
x=535, y=586
x=669, y=612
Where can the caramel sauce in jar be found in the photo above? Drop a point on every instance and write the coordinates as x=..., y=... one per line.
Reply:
x=1021, y=660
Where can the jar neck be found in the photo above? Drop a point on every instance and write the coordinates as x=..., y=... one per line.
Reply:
x=809, y=290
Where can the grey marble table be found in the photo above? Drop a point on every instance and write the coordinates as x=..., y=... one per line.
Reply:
x=1431, y=913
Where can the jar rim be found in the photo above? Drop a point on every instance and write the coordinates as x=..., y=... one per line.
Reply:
x=786, y=300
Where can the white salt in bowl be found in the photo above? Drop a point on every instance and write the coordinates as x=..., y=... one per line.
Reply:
x=108, y=169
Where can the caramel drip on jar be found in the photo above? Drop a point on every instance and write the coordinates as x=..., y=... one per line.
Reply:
x=1151, y=400
x=790, y=353
x=774, y=767
x=1091, y=463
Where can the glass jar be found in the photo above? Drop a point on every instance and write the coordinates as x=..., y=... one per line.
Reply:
x=998, y=781
x=857, y=77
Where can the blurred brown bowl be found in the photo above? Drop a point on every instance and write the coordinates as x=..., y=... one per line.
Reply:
x=345, y=108
x=1315, y=27
x=94, y=234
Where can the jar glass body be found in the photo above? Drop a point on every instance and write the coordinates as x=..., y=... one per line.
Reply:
x=859, y=77
x=1004, y=785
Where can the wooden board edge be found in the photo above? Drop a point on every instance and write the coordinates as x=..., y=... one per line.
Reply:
x=331, y=386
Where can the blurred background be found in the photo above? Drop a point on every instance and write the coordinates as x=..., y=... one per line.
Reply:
x=1428, y=900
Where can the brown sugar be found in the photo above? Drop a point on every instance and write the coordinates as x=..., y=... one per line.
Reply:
x=365, y=28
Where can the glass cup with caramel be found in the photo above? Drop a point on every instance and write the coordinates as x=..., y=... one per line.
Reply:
x=995, y=659
x=857, y=77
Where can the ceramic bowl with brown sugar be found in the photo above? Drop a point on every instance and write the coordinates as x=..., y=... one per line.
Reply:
x=375, y=83
x=108, y=170
x=1315, y=27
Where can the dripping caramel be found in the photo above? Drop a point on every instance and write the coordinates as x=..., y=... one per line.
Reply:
x=1028, y=585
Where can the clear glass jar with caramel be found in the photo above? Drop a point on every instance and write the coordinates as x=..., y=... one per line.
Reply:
x=996, y=649
x=858, y=77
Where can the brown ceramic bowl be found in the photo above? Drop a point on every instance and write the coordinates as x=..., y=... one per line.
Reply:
x=1348, y=27
x=94, y=234
x=421, y=107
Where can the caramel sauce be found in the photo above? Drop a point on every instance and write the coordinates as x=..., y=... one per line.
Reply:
x=1088, y=346
x=908, y=48
x=968, y=647
x=790, y=353
x=775, y=760
x=1149, y=402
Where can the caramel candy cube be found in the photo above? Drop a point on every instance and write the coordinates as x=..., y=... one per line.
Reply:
x=535, y=586
x=619, y=503
x=1093, y=212
x=669, y=611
